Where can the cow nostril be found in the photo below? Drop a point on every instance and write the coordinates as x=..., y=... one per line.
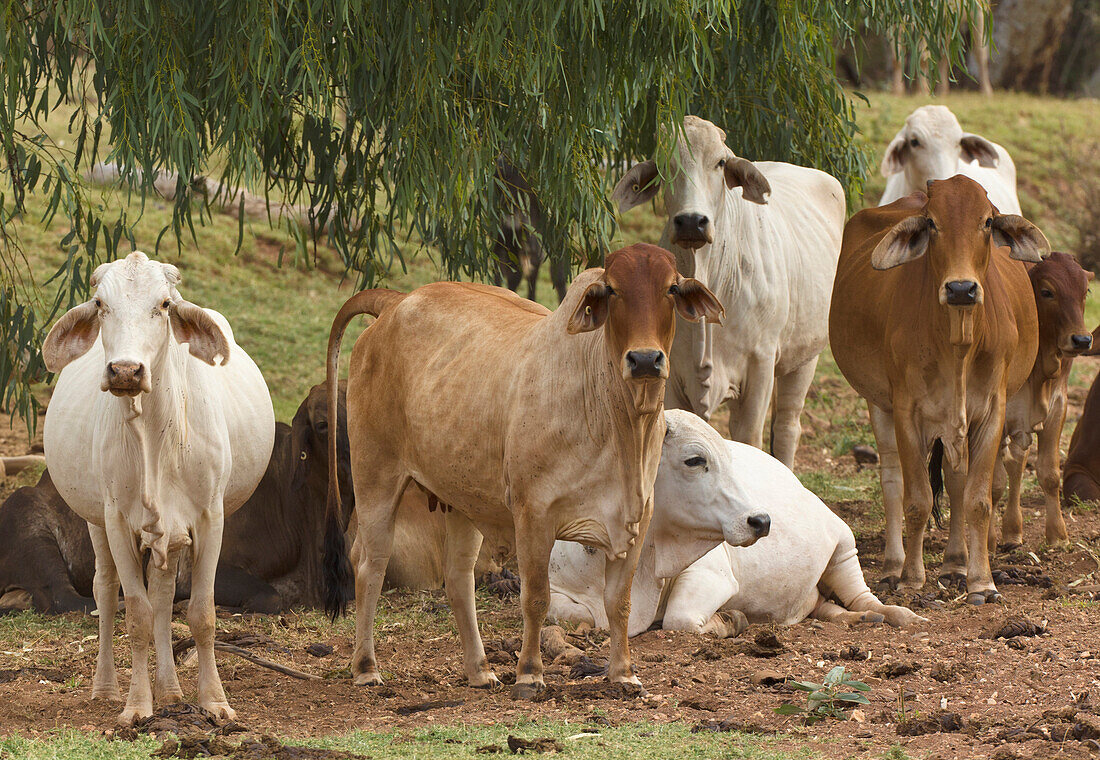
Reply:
x=140, y=369
x=645, y=363
x=961, y=292
x=1082, y=341
x=112, y=370
x=760, y=524
x=702, y=222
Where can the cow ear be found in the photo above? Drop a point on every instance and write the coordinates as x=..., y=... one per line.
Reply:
x=977, y=148
x=193, y=326
x=906, y=241
x=1095, y=350
x=1025, y=241
x=897, y=153
x=591, y=312
x=637, y=186
x=71, y=336
x=743, y=173
x=695, y=302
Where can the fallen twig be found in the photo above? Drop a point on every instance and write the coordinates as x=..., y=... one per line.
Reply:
x=182, y=646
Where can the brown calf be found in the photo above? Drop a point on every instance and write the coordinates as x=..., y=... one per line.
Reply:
x=531, y=425
x=934, y=324
x=1060, y=286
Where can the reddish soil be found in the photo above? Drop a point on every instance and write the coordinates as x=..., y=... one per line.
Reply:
x=1000, y=689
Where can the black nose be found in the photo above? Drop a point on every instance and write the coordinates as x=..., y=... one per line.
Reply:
x=1082, y=342
x=691, y=225
x=761, y=524
x=645, y=363
x=962, y=292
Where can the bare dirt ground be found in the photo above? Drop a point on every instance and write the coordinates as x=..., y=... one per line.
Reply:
x=1027, y=696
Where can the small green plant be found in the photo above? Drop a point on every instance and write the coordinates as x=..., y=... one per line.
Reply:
x=1079, y=506
x=828, y=699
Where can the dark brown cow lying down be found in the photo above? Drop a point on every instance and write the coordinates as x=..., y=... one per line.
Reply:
x=271, y=549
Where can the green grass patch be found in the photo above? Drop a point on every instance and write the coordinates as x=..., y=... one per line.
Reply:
x=632, y=741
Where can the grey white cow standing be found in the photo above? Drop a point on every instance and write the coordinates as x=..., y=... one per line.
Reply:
x=769, y=254
x=160, y=425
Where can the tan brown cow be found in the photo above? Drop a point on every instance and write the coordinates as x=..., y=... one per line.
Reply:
x=934, y=324
x=1060, y=286
x=531, y=425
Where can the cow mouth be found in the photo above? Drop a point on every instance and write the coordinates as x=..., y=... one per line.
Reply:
x=125, y=392
x=692, y=243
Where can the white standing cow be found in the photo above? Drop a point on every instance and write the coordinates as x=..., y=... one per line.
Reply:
x=688, y=577
x=933, y=146
x=770, y=262
x=153, y=441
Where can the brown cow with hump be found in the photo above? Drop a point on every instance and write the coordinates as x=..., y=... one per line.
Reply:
x=934, y=324
x=531, y=425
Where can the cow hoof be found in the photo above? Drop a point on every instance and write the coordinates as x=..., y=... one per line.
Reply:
x=220, y=710
x=527, y=691
x=982, y=597
x=485, y=681
x=368, y=679
x=111, y=694
x=953, y=580
x=873, y=617
x=132, y=715
x=1009, y=546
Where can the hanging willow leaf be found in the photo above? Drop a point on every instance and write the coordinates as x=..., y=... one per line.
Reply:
x=383, y=115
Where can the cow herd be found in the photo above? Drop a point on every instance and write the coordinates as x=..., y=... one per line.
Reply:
x=575, y=440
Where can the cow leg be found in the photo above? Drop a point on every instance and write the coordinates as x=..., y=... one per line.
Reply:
x=843, y=578
x=105, y=591
x=917, y=495
x=201, y=617
x=139, y=616
x=376, y=500
x=618, y=578
x=534, y=543
x=790, y=397
x=747, y=418
x=882, y=423
x=953, y=569
x=696, y=601
x=461, y=547
x=1012, y=523
x=985, y=441
x=162, y=593
x=1049, y=468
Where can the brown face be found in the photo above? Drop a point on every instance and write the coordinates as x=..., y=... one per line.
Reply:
x=1060, y=286
x=957, y=230
x=636, y=303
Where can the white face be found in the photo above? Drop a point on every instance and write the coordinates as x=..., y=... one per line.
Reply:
x=698, y=188
x=931, y=135
x=132, y=300
x=694, y=491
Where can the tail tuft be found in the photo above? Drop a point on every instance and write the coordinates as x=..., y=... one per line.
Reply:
x=935, y=479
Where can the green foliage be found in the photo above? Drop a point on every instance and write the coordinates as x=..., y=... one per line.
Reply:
x=388, y=118
x=828, y=699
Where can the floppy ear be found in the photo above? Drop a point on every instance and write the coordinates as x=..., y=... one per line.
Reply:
x=193, y=326
x=906, y=241
x=637, y=186
x=1025, y=241
x=71, y=336
x=743, y=173
x=591, y=313
x=977, y=148
x=897, y=153
x=1095, y=350
x=695, y=302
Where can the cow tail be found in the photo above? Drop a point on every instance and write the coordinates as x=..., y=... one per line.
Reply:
x=336, y=569
x=935, y=479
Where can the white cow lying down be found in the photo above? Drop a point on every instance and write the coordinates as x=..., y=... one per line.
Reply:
x=704, y=484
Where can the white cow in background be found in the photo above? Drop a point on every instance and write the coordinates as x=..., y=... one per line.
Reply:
x=691, y=580
x=933, y=146
x=770, y=262
x=159, y=427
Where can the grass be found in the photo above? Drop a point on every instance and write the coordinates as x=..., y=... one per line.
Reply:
x=629, y=742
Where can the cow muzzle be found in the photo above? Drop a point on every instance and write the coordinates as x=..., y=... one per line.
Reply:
x=125, y=378
x=645, y=363
x=1077, y=344
x=961, y=293
x=691, y=231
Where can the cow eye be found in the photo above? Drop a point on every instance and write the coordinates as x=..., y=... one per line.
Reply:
x=674, y=290
x=98, y=303
x=722, y=164
x=1046, y=293
x=166, y=304
x=988, y=222
x=696, y=461
x=931, y=224
x=914, y=142
x=610, y=290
